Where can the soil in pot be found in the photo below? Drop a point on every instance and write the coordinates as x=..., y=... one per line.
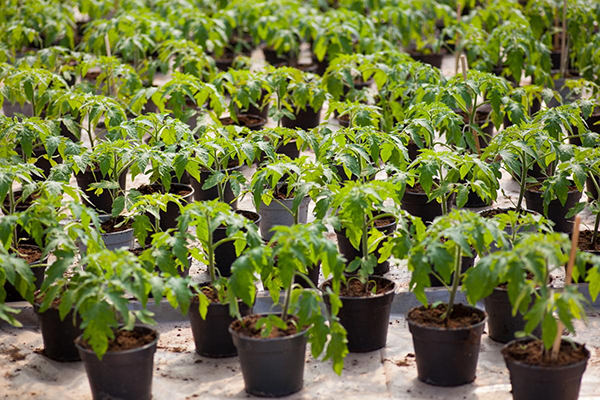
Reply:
x=272, y=366
x=125, y=371
x=101, y=202
x=250, y=121
x=32, y=254
x=365, y=315
x=446, y=351
x=168, y=218
x=305, y=119
x=225, y=254
x=211, y=335
x=556, y=211
x=416, y=203
x=58, y=335
x=384, y=225
x=533, y=375
x=213, y=193
x=115, y=233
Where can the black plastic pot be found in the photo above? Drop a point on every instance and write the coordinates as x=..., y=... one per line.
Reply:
x=305, y=119
x=366, y=319
x=120, y=374
x=466, y=263
x=225, y=254
x=313, y=275
x=417, y=204
x=211, y=336
x=59, y=335
x=168, y=218
x=102, y=202
x=289, y=59
x=547, y=383
x=41, y=162
x=350, y=253
x=474, y=201
x=253, y=110
x=502, y=325
x=591, y=188
x=254, y=126
x=271, y=367
x=290, y=149
x=556, y=211
x=446, y=357
x=213, y=193
x=38, y=275
x=434, y=60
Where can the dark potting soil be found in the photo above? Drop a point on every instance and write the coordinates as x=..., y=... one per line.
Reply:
x=585, y=241
x=21, y=204
x=537, y=187
x=417, y=188
x=243, y=120
x=280, y=193
x=210, y=292
x=354, y=288
x=532, y=353
x=461, y=317
x=384, y=221
x=110, y=225
x=248, y=214
x=247, y=327
x=156, y=188
x=127, y=340
x=30, y=254
x=38, y=298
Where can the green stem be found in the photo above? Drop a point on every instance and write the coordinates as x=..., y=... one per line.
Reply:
x=365, y=245
x=523, y=182
x=286, y=303
x=455, y=282
x=11, y=206
x=210, y=249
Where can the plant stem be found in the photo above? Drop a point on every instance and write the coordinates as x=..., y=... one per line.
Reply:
x=522, y=183
x=455, y=282
x=210, y=249
x=365, y=245
x=11, y=206
x=286, y=303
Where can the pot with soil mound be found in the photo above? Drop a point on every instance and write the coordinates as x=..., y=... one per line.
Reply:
x=386, y=226
x=104, y=201
x=168, y=218
x=33, y=256
x=125, y=370
x=305, y=119
x=250, y=121
x=116, y=233
x=271, y=366
x=365, y=314
x=225, y=254
x=211, y=335
x=534, y=376
x=416, y=202
x=58, y=334
x=446, y=350
x=557, y=212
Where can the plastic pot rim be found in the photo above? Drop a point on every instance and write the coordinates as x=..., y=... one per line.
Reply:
x=441, y=329
x=392, y=290
x=542, y=368
x=125, y=352
x=235, y=333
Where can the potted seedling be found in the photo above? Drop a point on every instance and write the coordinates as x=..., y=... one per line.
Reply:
x=272, y=347
x=118, y=354
x=441, y=175
x=186, y=96
x=278, y=29
x=477, y=97
x=16, y=272
x=282, y=190
x=359, y=153
x=363, y=225
x=446, y=336
x=32, y=138
x=353, y=114
x=300, y=97
x=187, y=57
x=526, y=269
x=249, y=93
x=215, y=304
x=215, y=161
x=344, y=78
